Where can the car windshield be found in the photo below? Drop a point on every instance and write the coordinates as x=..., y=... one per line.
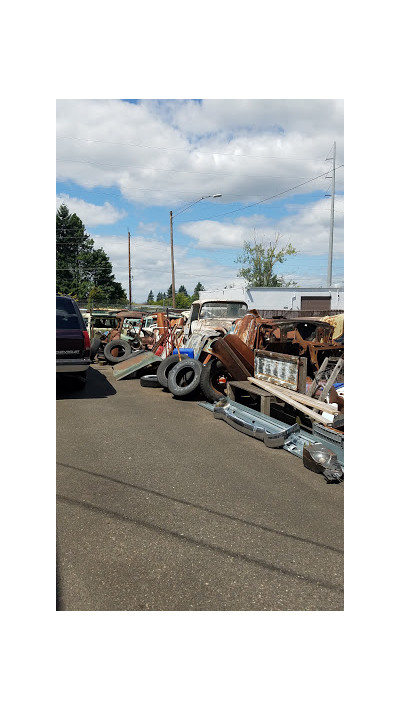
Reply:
x=104, y=322
x=216, y=309
x=66, y=316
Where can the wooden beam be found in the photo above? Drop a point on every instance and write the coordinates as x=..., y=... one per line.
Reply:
x=291, y=401
x=305, y=399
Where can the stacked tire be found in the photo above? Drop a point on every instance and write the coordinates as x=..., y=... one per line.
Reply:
x=184, y=377
x=165, y=366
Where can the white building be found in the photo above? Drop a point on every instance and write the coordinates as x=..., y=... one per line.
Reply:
x=283, y=298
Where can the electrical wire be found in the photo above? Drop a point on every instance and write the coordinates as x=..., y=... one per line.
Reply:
x=168, y=170
x=254, y=204
x=190, y=151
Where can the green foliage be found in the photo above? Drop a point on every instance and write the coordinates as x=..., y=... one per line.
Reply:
x=182, y=290
x=80, y=267
x=196, y=294
x=182, y=301
x=150, y=298
x=260, y=259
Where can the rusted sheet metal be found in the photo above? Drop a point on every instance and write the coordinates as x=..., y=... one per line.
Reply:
x=278, y=368
x=139, y=360
x=245, y=328
x=338, y=324
x=231, y=360
x=244, y=352
x=223, y=325
x=125, y=313
x=201, y=341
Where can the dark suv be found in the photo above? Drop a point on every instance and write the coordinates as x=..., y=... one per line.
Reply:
x=73, y=343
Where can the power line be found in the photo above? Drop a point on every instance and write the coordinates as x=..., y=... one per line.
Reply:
x=215, y=172
x=272, y=197
x=189, y=150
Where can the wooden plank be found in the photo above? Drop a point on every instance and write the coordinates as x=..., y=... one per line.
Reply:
x=306, y=400
x=265, y=398
x=291, y=401
x=302, y=381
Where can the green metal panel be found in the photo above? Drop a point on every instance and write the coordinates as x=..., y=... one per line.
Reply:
x=139, y=360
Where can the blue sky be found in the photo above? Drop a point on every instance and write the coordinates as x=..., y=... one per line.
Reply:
x=124, y=164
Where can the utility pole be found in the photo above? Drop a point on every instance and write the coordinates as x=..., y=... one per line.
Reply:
x=129, y=270
x=172, y=259
x=332, y=217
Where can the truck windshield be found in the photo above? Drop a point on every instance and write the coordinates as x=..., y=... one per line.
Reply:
x=219, y=309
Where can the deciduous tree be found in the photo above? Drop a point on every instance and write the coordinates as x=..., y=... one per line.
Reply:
x=259, y=260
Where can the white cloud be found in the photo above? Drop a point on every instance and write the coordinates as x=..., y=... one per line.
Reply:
x=171, y=152
x=307, y=229
x=151, y=265
x=89, y=213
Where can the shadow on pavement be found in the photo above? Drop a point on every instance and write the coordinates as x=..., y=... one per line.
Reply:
x=97, y=385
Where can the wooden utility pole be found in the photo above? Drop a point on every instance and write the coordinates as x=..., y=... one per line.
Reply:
x=129, y=270
x=172, y=259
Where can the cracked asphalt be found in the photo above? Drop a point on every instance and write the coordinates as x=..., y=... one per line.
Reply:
x=161, y=507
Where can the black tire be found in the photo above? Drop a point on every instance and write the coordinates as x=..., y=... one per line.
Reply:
x=184, y=377
x=124, y=350
x=165, y=366
x=213, y=379
x=94, y=347
x=149, y=381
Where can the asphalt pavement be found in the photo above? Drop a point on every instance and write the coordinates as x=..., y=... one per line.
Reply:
x=161, y=507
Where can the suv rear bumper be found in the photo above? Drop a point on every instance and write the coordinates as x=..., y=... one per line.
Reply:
x=72, y=366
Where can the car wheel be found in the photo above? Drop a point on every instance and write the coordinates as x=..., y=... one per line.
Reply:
x=165, y=366
x=184, y=377
x=123, y=347
x=213, y=379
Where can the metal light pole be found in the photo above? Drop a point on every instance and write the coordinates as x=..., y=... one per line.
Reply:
x=171, y=216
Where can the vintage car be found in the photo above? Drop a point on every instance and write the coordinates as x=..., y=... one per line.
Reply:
x=213, y=314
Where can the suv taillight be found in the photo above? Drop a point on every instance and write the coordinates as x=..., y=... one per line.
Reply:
x=86, y=340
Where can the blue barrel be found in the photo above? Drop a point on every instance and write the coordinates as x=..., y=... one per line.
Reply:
x=184, y=351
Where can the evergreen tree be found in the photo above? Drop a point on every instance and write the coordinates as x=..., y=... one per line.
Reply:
x=182, y=290
x=81, y=268
x=150, y=298
x=196, y=294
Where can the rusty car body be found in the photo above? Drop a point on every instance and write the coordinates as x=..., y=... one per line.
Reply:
x=308, y=338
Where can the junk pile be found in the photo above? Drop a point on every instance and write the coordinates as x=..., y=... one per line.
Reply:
x=278, y=380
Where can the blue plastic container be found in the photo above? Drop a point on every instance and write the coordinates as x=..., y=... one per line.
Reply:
x=184, y=351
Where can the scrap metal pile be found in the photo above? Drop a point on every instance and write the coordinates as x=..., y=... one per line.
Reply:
x=279, y=380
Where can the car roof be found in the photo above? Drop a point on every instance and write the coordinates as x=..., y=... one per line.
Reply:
x=220, y=301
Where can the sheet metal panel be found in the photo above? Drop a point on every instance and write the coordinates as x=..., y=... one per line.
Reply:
x=278, y=368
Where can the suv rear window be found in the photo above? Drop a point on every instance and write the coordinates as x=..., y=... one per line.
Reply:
x=66, y=316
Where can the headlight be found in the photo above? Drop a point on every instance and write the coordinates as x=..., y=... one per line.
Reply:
x=319, y=458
